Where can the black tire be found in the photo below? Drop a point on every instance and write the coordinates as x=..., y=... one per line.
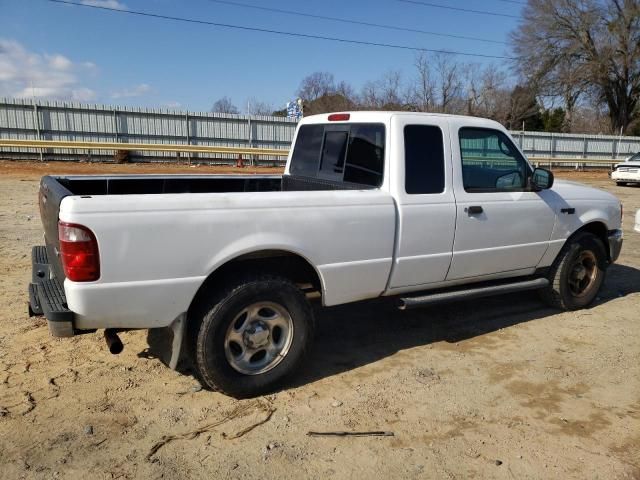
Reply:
x=564, y=287
x=212, y=324
x=621, y=184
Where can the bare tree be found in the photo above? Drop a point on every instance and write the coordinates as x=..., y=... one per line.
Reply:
x=590, y=120
x=224, y=105
x=449, y=82
x=386, y=93
x=345, y=89
x=487, y=93
x=391, y=90
x=370, y=96
x=316, y=85
x=350, y=100
x=257, y=107
x=321, y=94
x=423, y=91
x=593, y=42
x=332, y=102
x=442, y=84
x=569, y=86
x=495, y=95
x=473, y=86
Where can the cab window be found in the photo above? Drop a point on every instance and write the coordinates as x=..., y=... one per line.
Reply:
x=491, y=162
x=423, y=159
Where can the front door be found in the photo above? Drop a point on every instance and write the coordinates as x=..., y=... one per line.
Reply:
x=501, y=228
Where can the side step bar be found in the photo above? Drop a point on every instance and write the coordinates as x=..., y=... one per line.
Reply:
x=470, y=293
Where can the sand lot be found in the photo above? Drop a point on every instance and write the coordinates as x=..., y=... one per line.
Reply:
x=496, y=388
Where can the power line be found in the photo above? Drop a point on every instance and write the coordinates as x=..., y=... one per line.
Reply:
x=459, y=9
x=513, y=1
x=280, y=32
x=356, y=22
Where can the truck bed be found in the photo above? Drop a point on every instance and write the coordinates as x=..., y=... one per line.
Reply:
x=53, y=189
x=158, y=184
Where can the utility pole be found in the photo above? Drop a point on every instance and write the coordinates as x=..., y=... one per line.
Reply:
x=36, y=118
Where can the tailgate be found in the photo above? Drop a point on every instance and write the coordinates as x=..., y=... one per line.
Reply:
x=51, y=194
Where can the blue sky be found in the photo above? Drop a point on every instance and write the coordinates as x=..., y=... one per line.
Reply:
x=68, y=52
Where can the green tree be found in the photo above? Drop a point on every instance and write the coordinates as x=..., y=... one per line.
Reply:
x=553, y=120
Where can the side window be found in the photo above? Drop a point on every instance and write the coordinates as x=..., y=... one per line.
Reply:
x=423, y=159
x=490, y=162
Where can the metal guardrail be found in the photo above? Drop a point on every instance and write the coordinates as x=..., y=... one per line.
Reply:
x=158, y=147
x=154, y=147
x=574, y=162
x=70, y=121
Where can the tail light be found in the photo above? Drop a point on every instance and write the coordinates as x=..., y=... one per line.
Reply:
x=78, y=252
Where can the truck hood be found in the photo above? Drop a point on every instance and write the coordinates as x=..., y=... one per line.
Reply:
x=578, y=191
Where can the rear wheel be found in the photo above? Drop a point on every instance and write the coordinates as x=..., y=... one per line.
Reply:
x=252, y=335
x=577, y=274
x=621, y=184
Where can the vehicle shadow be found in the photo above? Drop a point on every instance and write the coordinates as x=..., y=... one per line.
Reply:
x=358, y=334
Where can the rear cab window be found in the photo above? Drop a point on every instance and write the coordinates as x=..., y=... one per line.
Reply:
x=349, y=152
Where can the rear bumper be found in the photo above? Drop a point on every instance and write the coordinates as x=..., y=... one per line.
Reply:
x=615, y=243
x=47, y=297
x=625, y=176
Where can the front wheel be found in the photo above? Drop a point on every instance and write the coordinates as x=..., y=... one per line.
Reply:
x=577, y=273
x=252, y=335
x=621, y=184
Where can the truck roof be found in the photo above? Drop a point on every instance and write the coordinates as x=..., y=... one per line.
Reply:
x=385, y=116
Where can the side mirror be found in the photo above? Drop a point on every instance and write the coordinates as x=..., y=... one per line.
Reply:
x=541, y=179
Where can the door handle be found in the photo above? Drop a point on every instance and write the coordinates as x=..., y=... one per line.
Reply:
x=474, y=210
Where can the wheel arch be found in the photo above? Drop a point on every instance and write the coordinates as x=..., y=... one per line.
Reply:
x=285, y=263
x=597, y=228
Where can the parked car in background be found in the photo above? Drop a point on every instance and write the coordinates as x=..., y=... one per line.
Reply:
x=628, y=171
x=637, y=225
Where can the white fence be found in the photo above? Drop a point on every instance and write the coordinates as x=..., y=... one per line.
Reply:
x=570, y=145
x=64, y=121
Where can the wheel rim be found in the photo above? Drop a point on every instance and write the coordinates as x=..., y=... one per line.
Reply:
x=583, y=274
x=258, y=338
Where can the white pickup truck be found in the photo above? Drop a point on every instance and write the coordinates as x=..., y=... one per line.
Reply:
x=420, y=208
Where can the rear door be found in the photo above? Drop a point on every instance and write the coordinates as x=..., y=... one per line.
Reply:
x=501, y=228
x=422, y=185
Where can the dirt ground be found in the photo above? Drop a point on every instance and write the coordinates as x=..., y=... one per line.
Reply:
x=496, y=388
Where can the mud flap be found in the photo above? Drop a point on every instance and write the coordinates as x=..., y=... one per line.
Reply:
x=178, y=329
